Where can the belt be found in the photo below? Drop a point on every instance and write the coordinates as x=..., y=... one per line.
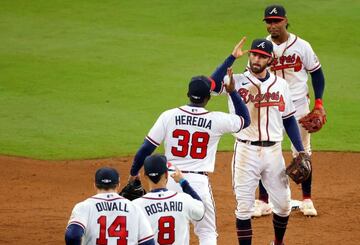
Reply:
x=258, y=143
x=192, y=172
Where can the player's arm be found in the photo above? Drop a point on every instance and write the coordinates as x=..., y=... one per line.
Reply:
x=148, y=242
x=185, y=185
x=145, y=232
x=73, y=234
x=240, y=108
x=152, y=140
x=293, y=132
x=318, y=83
x=146, y=149
x=220, y=72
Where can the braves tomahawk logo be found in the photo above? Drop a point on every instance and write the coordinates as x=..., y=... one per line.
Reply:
x=263, y=100
x=261, y=45
x=273, y=11
x=287, y=62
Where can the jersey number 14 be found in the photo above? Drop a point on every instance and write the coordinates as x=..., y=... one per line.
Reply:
x=197, y=143
x=116, y=229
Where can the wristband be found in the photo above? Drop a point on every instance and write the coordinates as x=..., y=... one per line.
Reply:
x=181, y=181
x=318, y=103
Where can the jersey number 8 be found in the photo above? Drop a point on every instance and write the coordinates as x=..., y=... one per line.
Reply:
x=198, y=147
x=166, y=226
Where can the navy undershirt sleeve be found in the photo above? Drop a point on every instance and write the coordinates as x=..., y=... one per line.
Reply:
x=148, y=242
x=221, y=71
x=240, y=107
x=318, y=82
x=73, y=234
x=145, y=150
x=189, y=190
x=293, y=132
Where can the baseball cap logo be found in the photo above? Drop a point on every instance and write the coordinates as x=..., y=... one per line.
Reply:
x=273, y=11
x=261, y=45
x=106, y=181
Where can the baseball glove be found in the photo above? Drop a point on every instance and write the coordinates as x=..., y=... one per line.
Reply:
x=315, y=120
x=299, y=169
x=133, y=190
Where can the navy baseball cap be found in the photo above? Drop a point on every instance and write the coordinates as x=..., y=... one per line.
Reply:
x=155, y=165
x=106, y=176
x=275, y=12
x=200, y=87
x=262, y=46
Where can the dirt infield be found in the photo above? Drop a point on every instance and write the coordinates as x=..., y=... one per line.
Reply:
x=38, y=196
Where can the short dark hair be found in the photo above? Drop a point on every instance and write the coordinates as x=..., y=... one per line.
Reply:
x=105, y=187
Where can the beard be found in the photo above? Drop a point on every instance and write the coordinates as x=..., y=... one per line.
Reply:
x=257, y=68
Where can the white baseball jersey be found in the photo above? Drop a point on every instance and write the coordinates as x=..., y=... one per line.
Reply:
x=293, y=60
x=269, y=102
x=169, y=214
x=191, y=135
x=108, y=218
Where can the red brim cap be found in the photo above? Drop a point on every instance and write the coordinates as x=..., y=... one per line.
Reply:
x=259, y=51
x=274, y=17
x=212, y=84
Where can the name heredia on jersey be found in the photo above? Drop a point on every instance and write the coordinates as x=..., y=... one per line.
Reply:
x=193, y=121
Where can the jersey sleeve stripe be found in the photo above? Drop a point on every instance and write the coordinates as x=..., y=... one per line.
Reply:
x=203, y=215
x=289, y=115
x=146, y=239
x=77, y=223
x=242, y=124
x=315, y=68
x=152, y=141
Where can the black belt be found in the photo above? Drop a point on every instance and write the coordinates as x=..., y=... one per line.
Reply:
x=258, y=143
x=192, y=172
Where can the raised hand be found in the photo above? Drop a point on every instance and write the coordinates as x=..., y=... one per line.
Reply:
x=238, y=52
x=230, y=86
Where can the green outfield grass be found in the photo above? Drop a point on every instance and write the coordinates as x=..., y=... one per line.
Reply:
x=87, y=79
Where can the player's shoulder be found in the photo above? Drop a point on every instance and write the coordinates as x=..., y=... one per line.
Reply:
x=279, y=80
x=161, y=195
x=296, y=40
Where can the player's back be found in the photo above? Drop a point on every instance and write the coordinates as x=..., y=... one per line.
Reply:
x=169, y=214
x=108, y=218
x=191, y=135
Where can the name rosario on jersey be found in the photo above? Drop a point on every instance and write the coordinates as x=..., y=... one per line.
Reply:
x=164, y=207
x=111, y=206
x=193, y=121
x=263, y=100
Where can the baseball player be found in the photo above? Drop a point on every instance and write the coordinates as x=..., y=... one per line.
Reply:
x=107, y=218
x=191, y=134
x=169, y=212
x=258, y=152
x=294, y=58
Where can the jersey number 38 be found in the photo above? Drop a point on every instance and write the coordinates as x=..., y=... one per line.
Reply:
x=197, y=143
